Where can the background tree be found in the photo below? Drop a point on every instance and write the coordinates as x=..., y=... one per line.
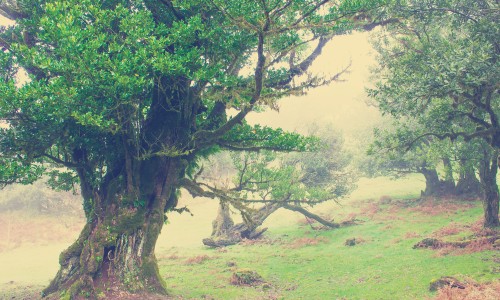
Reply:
x=394, y=153
x=439, y=66
x=293, y=181
x=469, y=156
x=128, y=94
x=448, y=168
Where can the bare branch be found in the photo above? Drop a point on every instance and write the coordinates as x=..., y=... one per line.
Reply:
x=251, y=148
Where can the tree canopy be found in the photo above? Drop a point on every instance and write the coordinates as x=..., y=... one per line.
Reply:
x=440, y=64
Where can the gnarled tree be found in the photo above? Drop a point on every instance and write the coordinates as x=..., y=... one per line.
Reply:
x=440, y=67
x=293, y=181
x=126, y=94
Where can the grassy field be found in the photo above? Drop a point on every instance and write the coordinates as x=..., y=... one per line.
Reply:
x=297, y=260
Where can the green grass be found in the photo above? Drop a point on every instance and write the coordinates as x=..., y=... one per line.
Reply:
x=385, y=266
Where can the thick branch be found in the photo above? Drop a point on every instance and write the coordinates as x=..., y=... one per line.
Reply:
x=454, y=135
x=61, y=162
x=310, y=215
x=11, y=10
x=306, y=63
x=196, y=190
x=373, y=25
x=204, y=137
x=233, y=147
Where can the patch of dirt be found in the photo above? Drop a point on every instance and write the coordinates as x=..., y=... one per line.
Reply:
x=306, y=241
x=471, y=291
x=442, y=206
x=446, y=281
x=197, y=259
x=478, y=239
x=451, y=229
x=476, y=229
x=428, y=206
x=475, y=244
x=429, y=243
x=370, y=210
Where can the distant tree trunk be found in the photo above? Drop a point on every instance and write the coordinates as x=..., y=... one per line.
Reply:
x=448, y=184
x=468, y=185
x=433, y=185
x=223, y=223
x=432, y=182
x=488, y=175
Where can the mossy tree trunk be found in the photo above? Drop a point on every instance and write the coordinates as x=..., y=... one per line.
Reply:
x=116, y=247
x=434, y=186
x=223, y=223
x=487, y=175
x=125, y=210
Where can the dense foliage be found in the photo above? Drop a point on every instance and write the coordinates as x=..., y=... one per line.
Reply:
x=440, y=66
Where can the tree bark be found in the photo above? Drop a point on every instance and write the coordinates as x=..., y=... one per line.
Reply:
x=448, y=184
x=311, y=215
x=468, y=185
x=487, y=175
x=223, y=223
x=115, y=250
x=432, y=183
